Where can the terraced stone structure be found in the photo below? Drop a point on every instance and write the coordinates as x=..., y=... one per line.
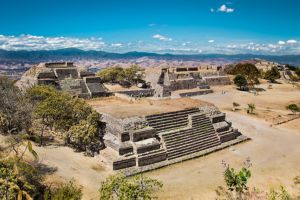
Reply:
x=148, y=142
x=65, y=76
x=186, y=81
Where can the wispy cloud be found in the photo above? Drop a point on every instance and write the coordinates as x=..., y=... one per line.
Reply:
x=226, y=9
x=31, y=42
x=162, y=37
x=116, y=44
x=291, y=42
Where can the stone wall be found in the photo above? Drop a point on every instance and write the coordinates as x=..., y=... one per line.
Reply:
x=152, y=158
x=124, y=163
x=137, y=93
x=183, y=84
x=217, y=80
x=195, y=93
x=142, y=134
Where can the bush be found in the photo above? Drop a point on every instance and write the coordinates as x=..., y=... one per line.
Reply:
x=15, y=110
x=124, y=76
x=135, y=188
x=240, y=81
x=64, y=191
x=293, y=107
x=272, y=74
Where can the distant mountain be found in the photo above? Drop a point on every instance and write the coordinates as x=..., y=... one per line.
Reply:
x=73, y=54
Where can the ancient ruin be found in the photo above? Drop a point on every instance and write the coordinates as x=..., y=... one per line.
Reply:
x=64, y=76
x=184, y=81
x=153, y=134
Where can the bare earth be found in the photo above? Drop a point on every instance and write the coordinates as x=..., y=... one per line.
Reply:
x=125, y=108
x=274, y=150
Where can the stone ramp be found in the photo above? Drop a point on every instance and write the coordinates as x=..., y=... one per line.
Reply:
x=199, y=136
x=170, y=121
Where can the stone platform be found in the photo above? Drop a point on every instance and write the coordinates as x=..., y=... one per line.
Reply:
x=147, y=142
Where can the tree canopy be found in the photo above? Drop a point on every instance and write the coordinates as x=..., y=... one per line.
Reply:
x=122, y=188
x=240, y=81
x=131, y=75
x=248, y=70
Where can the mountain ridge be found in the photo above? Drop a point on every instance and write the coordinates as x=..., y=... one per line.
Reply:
x=78, y=54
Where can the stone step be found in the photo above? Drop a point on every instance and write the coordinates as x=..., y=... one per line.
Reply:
x=196, y=124
x=174, y=120
x=171, y=114
x=225, y=132
x=195, y=140
x=167, y=118
x=201, y=120
x=187, y=132
x=170, y=127
x=191, y=150
x=171, y=141
x=151, y=152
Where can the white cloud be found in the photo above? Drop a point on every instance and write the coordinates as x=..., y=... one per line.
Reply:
x=161, y=37
x=224, y=8
x=31, y=42
x=291, y=42
x=231, y=46
x=281, y=42
x=212, y=10
x=211, y=41
x=117, y=45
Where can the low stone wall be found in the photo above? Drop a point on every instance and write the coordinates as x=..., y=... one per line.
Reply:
x=152, y=158
x=218, y=118
x=142, y=134
x=125, y=150
x=147, y=148
x=137, y=93
x=124, y=163
x=195, y=93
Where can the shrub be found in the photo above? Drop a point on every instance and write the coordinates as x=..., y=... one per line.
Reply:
x=240, y=81
x=293, y=107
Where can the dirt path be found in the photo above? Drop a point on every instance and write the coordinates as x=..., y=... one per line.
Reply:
x=274, y=153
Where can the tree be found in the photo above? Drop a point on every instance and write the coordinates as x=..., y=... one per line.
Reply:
x=15, y=110
x=64, y=191
x=272, y=74
x=248, y=70
x=131, y=75
x=111, y=74
x=240, y=81
x=294, y=108
x=251, y=108
x=86, y=135
x=135, y=188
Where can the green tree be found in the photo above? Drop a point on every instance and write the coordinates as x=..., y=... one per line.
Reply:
x=15, y=110
x=86, y=135
x=112, y=74
x=64, y=191
x=248, y=70
x=236, y=182
x=240, y=81
x=135, y=188
x=293, y=107
x=272, y=74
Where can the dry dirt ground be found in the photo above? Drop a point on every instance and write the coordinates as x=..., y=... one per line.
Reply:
x=122, y=108
x=274, y=151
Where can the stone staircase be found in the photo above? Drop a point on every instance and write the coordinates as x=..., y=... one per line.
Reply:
x=199, y=135
x=170, y=121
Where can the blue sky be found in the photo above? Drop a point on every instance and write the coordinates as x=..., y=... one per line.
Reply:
x=176, y=26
